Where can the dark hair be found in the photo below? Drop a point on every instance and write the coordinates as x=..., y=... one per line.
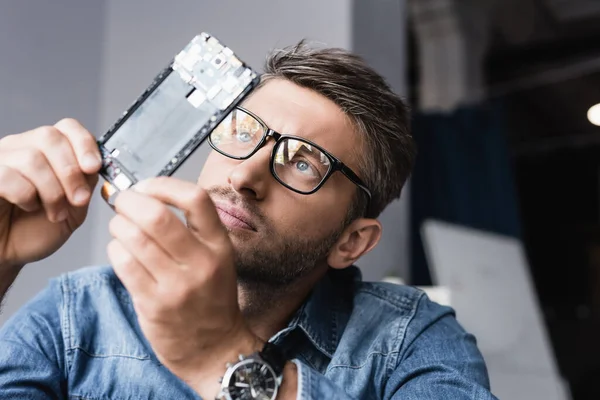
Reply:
x=379, y=115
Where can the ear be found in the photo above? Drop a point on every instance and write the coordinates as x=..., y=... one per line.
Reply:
x=357, y=239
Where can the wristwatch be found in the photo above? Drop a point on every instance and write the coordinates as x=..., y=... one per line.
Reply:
x=257, y=376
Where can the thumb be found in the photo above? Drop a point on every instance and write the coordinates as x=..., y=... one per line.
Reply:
x=77, y=214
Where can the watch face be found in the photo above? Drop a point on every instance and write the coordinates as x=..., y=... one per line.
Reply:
x=252, y=379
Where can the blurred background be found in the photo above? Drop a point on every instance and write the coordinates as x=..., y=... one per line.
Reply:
x=501, y=218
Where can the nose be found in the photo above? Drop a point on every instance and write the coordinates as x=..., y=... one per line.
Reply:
x=252, y=176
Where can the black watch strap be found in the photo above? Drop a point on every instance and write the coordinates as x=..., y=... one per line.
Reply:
x=274, y=356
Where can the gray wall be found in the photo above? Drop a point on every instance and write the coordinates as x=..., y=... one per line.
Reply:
x=378, y=34
x=64, y=58
x=50, y=68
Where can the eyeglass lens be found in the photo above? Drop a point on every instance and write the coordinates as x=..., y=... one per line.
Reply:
x=296, y=163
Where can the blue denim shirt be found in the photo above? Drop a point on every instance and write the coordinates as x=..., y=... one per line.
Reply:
x=79, y=339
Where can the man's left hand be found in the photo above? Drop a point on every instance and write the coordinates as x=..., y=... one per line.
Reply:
x=181, y=279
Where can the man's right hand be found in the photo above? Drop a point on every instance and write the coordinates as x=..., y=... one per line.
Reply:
x=47, y=176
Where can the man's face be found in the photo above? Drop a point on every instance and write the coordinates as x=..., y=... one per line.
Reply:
x=278, y=235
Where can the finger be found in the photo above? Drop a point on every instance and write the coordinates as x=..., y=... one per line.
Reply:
x=156, y=220
x=194, y=201
x=59, y=152
x=17, y=190
x=83, y=143
x=85, y=147
x=145, y=249
x=136, y=279
x=92, y=181
x=33, y=165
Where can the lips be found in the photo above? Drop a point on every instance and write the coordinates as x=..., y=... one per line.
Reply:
x=234, y=217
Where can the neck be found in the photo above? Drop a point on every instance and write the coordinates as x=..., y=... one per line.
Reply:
x=268, y=310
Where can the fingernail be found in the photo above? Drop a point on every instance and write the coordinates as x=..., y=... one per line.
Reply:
x=81, y=195
x=91, y=161
x=62, y=215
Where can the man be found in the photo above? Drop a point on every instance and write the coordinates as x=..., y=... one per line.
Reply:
x=281, y=211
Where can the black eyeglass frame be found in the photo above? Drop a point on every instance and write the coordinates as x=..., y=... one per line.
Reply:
x=336, y=164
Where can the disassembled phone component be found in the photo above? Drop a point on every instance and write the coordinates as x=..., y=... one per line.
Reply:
x=174, y=115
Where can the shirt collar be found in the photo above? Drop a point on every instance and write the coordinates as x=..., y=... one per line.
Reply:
x=324, y=315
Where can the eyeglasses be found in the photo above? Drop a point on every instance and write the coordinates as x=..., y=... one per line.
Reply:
x=296, y=163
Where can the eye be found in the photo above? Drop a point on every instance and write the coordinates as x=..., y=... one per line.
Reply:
x=244, y=136
x=306, y=168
